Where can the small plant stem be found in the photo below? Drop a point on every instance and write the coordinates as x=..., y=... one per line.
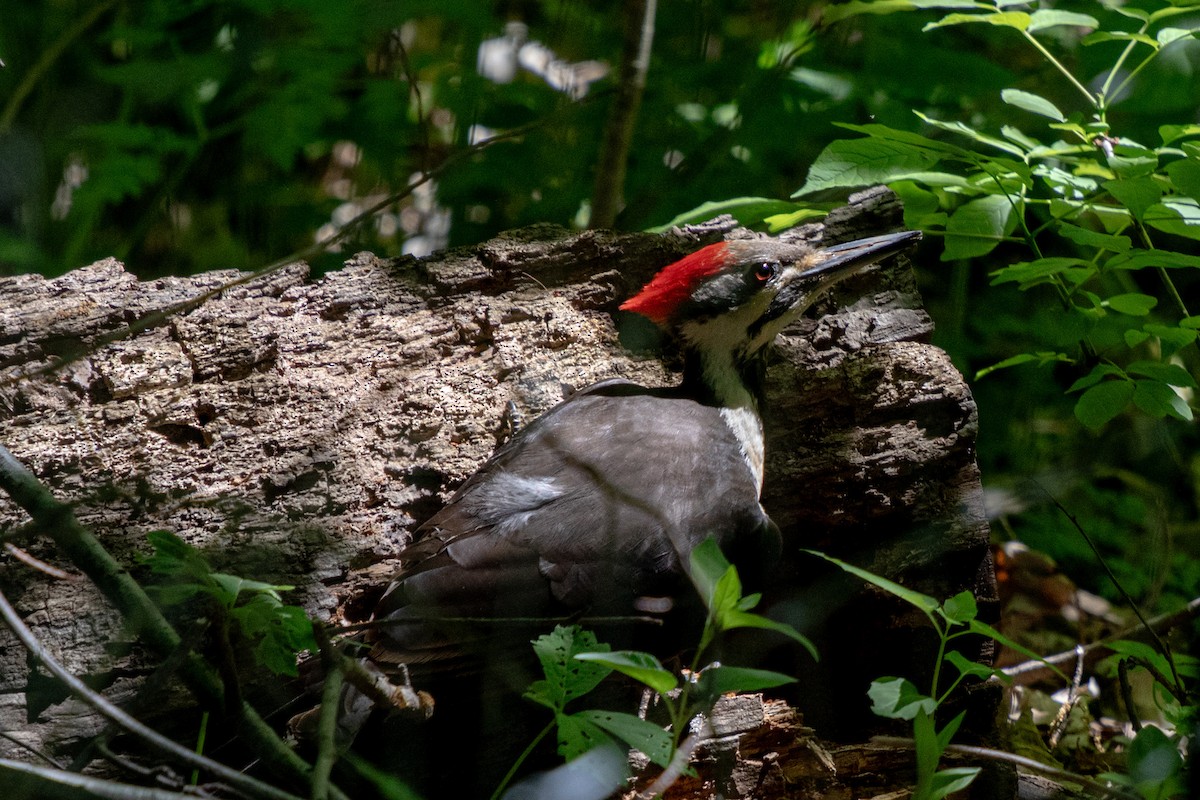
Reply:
x=1144, y=235
x=1105, y=94
x=200, y=746
x=521, y=759
x=1092, y=99
x=1158, y=640
x=937, y=664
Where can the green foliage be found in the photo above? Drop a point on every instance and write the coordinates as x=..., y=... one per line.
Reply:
x=1087, y=205
x=255, y=608
x=1074, y=182
x=574, y=663
x=899, y=698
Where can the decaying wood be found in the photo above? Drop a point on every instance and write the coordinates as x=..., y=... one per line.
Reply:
x=297, y=430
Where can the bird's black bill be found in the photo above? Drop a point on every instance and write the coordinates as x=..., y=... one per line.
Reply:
x=862, y=252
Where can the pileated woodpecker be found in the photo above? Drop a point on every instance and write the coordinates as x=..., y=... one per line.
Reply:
x=595, y=507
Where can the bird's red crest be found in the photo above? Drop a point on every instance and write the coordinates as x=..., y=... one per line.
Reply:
x=659, y=298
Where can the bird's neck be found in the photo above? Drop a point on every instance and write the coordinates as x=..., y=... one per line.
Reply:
x=733, y=385
x=723, y=379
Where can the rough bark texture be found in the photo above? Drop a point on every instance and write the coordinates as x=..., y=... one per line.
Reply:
x=296, y=431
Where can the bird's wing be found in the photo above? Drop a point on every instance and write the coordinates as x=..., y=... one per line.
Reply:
x=597, y=502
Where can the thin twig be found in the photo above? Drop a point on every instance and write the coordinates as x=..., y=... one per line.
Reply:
x=1158, y=640
x=327, y=721
x=44, y=756
x=56, y=783
x=98, y=702
x=1161, y=622
x=38, y=564
x=1020, y=761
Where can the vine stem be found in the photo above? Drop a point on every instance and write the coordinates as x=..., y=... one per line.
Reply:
x=1091, y=98
x=521, y=759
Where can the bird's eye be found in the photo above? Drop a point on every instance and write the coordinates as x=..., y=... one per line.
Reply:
x=765, y=271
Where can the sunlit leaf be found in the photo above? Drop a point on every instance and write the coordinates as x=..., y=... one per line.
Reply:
x=1017, y=20
x=1032, y=102
x=922, y=601
x=1049, y=18
x=1160, y=400
x=639, y=734
x=1133, y=304
x=642, y=667
x=1180, y=216
x=865, y=162
x=1040, y=358
x=898, y=698
x=960, y=608
x=724, y=679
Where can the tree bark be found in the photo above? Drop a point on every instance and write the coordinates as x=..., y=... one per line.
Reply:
x=297, y=431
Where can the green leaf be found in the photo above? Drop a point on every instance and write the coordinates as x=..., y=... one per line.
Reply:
x=1160, y=400
x=719, y=680
x=1173, y=374
x=174, y=556
x=748, y=211
x=983, y=629
x=947, y=781
x=1044, y=270
x=577, y=735
x=708, y=568
x=742, y=619
x=282, y=632
x=922, y=601
x=967, y=667
x=1032, y=102
x=1155, y=766
x=1185, y=176
x=865, y=162
x=1172, y=133
x=976, y=227
x=961, y=608
x=642, y=667
x=1118, y=36
x=1141, y=259
x=1131, y=161
x=1134, y=338
x=566, y=676
x=777, y=223
x=1187, y=666
x=968, y=131
x=840, y=11
x=1136, y=194
x=1043, y=357
x=898, y=698
x=1089, y=238
x=1133, y=304
x=1102, y=402
x=1017, y=20
x=1179, y=215
x=1176, y=337
x=1051, y=18
x=1166, y=36
x=635, y=732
